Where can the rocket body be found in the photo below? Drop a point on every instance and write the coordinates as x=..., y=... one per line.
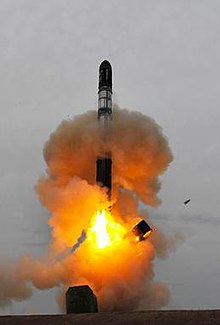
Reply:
x=105, y=91
x=104, y=160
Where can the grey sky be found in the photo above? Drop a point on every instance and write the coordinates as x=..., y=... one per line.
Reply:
x=166, y=63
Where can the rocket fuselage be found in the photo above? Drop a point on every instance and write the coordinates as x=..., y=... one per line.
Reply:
x=104, y=160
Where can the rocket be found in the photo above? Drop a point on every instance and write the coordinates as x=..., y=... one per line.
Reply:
x=104, y=160
x=105, y=91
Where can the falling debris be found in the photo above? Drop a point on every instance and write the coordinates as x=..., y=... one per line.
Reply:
x=142, y=230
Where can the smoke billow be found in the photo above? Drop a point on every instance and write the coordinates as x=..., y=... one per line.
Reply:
x=121, y=277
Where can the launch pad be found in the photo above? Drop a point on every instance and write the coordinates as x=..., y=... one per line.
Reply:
x=81, y=299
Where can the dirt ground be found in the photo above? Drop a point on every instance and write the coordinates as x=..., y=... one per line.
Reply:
x=177, y=317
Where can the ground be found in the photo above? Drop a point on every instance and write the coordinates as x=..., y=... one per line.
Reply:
x=177, y=317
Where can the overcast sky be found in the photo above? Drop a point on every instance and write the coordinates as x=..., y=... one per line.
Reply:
x=166, y=63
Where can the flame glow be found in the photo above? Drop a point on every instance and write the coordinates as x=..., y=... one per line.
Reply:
x=147, y=234
x=118, y=268
x=106, y=256
x=139, y=238
x=104, y=231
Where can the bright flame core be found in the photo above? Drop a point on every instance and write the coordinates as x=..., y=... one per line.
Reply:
x=105, y=232
x=100, y=229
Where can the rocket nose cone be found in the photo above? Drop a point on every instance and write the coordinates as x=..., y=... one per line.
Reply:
x=105, y=64
x=105, y=74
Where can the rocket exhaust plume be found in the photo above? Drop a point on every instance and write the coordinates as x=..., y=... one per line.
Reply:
x=98, y=171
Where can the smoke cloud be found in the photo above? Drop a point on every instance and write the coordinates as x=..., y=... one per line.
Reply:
x=122, y=277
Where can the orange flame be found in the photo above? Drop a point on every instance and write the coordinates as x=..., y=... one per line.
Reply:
x=105, y=232
x=144, y=237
